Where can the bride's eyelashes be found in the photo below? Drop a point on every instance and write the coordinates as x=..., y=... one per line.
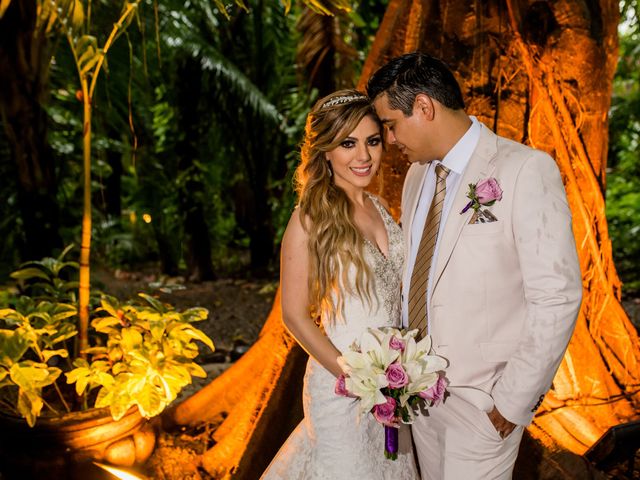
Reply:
x=372, y=142
x=375, y=141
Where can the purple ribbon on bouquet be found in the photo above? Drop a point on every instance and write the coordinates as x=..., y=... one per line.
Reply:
x=391, y=442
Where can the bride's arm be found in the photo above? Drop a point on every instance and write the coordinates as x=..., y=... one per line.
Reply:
x=294, y=278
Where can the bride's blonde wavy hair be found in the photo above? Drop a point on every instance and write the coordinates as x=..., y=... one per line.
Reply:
x=326, y=212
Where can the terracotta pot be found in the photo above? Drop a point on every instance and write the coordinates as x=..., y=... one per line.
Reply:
x=61, y=447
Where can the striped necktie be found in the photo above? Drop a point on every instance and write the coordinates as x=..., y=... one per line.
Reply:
x=422, y=266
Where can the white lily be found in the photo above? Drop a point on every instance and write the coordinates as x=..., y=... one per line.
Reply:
x=367, y=385
x=378, y=350
x=352, y=360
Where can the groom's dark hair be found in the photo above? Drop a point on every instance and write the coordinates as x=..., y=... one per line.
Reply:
x=406, y=76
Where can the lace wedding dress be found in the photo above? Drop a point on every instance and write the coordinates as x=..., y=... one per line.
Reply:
x=334, y=441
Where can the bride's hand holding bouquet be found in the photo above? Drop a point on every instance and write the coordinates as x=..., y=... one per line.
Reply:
x=390, y=373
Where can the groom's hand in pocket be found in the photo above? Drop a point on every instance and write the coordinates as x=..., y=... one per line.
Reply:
x=503, y=426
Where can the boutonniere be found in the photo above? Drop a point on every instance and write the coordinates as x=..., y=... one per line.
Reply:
x=483, y=194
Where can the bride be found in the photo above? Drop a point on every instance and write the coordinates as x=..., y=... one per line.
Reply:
x=342, y=256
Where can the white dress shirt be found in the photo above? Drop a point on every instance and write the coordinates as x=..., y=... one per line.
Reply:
x=456, y=161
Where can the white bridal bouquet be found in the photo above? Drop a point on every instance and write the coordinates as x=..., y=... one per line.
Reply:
x=390, y=373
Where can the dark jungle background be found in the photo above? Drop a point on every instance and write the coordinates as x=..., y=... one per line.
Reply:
x=196, y=124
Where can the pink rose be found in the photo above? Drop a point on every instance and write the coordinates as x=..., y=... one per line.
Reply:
x=341, y=387
x=488, y=190
x=386, y=413
x=435, y=393
x=396, y=344
x=396, y=375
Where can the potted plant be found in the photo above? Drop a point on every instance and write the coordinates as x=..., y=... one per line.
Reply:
x=89, y=404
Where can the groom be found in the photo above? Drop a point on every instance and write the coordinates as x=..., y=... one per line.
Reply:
x=491, y=268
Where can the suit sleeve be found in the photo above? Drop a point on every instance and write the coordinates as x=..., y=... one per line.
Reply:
x=552, y=285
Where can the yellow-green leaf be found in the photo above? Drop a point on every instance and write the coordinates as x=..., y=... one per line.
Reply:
x=152, y=301
x=105, y=324
x=195, y=314
x=31, y=375
x=131, y=339
x=48, y=354
x=11, y=316
x=107, y=307
x=150, y=401
x=186, y=332
x=197, y=371
x=29, y=405
x=62, y=315
x=13, y=346
x=29, y=273
x=77, y=15
x=80, y=363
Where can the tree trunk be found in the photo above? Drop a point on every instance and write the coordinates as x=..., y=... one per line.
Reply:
x=540, y=73
x=191, y=189
x=24, y=64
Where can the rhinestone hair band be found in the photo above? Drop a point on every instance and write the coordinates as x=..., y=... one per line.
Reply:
x=341, y=100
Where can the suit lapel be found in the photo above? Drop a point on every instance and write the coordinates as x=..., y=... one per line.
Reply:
x=481, y=165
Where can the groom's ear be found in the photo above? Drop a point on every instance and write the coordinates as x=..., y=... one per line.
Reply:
x=423, y=105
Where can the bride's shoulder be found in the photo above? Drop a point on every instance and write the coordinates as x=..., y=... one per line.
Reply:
x=297, y=228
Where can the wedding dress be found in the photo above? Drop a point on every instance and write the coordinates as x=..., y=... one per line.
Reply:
x=335, y=441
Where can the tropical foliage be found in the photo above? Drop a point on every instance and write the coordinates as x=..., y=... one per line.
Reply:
x=623, y=177
x=196, y=119
x=142, y=351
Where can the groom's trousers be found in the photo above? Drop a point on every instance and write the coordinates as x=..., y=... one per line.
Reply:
x=456, y=441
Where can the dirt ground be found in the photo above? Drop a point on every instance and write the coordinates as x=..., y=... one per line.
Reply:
x=237, y=307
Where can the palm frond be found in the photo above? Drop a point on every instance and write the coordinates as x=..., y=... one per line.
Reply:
x=231, y=80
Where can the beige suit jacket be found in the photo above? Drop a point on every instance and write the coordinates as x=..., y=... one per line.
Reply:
x=505, y=294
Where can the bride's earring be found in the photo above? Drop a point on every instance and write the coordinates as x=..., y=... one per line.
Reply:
x=329, y=168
